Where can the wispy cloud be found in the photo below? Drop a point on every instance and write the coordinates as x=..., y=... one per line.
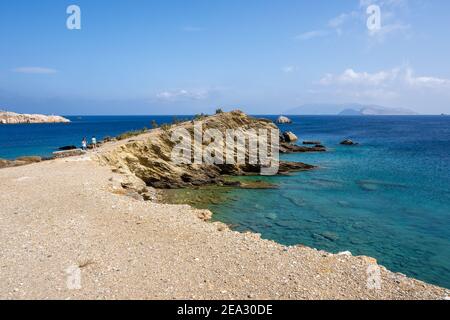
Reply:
x=392, y=17
x=404, y=76
x=182, y=95
x=352, y=77
x=34, y=70
x=396, y=83
x=337, y=23
x=311, y=35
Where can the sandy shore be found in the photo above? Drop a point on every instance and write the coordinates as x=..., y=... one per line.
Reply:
x=63, y=213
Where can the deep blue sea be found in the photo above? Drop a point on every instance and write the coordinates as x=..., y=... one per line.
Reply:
x=43, y=139
x=388, y=198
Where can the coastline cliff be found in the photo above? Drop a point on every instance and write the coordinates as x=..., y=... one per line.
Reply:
x=7, y=117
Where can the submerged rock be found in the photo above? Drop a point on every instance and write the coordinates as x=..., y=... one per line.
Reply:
x=329, y=236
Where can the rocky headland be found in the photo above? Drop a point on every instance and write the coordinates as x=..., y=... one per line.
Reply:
x=87, y=214
x=149, y=158
x=17, y=118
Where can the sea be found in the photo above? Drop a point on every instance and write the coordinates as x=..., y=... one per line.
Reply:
x=388, y=197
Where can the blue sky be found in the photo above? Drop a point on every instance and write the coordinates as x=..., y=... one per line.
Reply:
x=191, y=56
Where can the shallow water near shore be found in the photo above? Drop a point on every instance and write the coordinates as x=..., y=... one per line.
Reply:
x=388, y=198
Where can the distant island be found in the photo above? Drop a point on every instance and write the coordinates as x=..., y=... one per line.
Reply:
x=377, y=111
x=348, y=109
x=17, y=118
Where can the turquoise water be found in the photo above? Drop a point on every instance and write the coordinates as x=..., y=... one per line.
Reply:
x=388, y=198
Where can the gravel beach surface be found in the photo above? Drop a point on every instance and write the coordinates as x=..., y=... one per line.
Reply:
x=68, y=231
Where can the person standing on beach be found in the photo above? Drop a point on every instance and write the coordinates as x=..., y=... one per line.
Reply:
x=84, y=144
x=94, y=143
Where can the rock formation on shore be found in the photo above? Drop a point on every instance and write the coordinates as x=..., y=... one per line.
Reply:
x=283, y=120
x=16, y=118
x=289, y=137
x=149, y=158
x=19, y=161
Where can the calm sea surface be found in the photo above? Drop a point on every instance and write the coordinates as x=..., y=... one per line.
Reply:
x=388, y=198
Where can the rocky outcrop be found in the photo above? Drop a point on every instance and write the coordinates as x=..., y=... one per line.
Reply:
x=283, y=120
x=67, y=148
x=68, y=153
x=289, y=137
x=148, y=156
x=292, y=148
x=16, y=118
x=19, y=161
x=348, y=142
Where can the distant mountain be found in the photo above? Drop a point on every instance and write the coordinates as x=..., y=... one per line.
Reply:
x=350, y=112
x=377, y=111
x=349, y=109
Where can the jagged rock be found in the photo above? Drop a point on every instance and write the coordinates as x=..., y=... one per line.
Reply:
x=283, y=120
x=286, y=167
x=204, y=215
x=5, y=163
x=19, y=162
x=68, y=153
x=348, y=142
x=289, y=137
x=292, y=148
x=16, y=118
x=149, y=156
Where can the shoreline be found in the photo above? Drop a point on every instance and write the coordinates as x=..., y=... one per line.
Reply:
x=81, y=211
x=136, y=249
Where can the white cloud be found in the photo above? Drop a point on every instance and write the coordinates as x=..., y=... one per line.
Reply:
x=425, y=81
x=337, y=23
x=393, y=78
x=349, y=77
x=182, y=95
x=34, y=70
x=311, y=35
